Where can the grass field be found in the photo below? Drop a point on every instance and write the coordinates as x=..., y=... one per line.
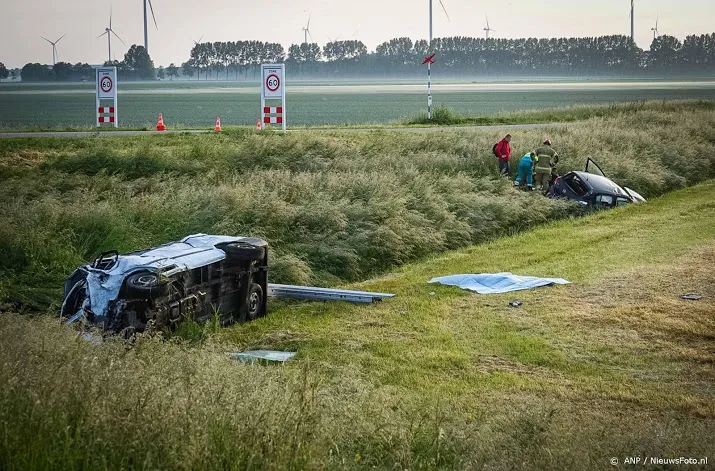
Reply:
x=197, y=105
x=613, y=366
x=335, y=207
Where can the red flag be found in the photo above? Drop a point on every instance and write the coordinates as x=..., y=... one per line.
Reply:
x=429, y=59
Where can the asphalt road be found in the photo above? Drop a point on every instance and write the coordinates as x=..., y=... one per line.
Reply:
x=70, y=134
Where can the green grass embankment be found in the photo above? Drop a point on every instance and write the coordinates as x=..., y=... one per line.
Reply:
x=614, y=365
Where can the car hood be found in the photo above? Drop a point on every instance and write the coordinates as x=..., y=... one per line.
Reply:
x=190, y=252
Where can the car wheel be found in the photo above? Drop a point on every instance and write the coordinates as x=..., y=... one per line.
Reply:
x=255, y=302
x=145, y=284
x=242, y=251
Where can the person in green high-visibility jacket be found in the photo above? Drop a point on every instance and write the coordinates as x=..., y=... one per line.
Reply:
x=546, y=159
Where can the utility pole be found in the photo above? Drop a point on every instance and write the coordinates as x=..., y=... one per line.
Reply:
x=429, y=64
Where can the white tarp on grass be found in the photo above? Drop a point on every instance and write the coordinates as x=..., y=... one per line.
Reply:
x=492, y=283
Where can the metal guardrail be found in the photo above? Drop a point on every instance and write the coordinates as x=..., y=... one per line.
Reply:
x=324, y=294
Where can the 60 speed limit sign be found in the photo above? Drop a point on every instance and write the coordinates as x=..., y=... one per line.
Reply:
x=106, y=82
x=272, y=83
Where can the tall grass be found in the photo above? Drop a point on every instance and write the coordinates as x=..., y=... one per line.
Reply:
x=69, y=404
x=334, y=207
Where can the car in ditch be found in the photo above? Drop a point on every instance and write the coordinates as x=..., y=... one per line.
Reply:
x=592, y=188
x=197, y=277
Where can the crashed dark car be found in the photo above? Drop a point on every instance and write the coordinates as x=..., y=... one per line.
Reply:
x=593, y=189
x=197, y=277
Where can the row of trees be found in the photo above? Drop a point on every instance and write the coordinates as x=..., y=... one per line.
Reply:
x=136, y=65
x=463, y=55
x=401, y=56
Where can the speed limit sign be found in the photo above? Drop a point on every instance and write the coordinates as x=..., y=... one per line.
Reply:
x=106, y=82
x=106, y=97
x=273, y=82
x=273, y=96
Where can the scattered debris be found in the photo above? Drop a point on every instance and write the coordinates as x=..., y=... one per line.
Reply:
x=252, y=356
x=691, y=297
x=432, y=293
x=492, y=283
x=516, y=303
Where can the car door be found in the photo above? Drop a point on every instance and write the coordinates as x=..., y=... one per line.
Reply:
x=593, y=167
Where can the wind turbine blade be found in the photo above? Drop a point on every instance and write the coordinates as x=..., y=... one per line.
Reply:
x=118, y=37
x=106, y=32
x=110, y=16
x=152, y=15
x=487, y=18
x=311, y=36
x=202, y=37
x=46, y=39
x=61, y=38
x=445, y=11
x=308, y=27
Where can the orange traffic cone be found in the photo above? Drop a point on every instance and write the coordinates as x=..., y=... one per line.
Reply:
x=160, y=125
x=217, y=128
x=258, y=124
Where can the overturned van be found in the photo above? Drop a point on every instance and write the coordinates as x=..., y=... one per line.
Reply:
x=197, y=277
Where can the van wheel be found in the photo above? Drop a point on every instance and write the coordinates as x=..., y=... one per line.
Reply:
x=242, y=251
x=255, y=302
x=145, y=284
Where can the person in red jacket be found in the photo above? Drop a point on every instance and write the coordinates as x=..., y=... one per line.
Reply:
x=503, y=152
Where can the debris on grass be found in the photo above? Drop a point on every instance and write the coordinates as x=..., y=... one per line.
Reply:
x=515, y=303
x=252, y=356
x=691, y=297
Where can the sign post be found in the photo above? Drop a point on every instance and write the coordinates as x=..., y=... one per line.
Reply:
x=273, y=89
x=106, y=90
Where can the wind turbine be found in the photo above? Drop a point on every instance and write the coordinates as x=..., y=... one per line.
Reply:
x=487, y=29
x=632, y=22
x=146, y=32
x=196, y=43
x=54, y=47
x=306, y=32
x=655, y=29
x=109, y=31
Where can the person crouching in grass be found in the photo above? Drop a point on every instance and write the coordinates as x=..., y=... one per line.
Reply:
x=526, y=171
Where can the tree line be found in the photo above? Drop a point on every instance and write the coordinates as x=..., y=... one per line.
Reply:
x=465, y=56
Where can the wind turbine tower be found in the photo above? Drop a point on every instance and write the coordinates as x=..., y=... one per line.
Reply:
x=487, y=29
x=655, y=29
x=109, y=32
x=54, y=47
x=146, y=32
x=306, y=32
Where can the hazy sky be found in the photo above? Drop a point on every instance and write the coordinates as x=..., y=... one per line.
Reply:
x=22, y=22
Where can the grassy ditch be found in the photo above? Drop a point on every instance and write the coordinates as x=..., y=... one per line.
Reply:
x=615, y=365
x=334, y=207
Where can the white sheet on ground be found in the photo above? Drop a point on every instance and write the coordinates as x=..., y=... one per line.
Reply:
x=268, y=355
x=491, y=283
